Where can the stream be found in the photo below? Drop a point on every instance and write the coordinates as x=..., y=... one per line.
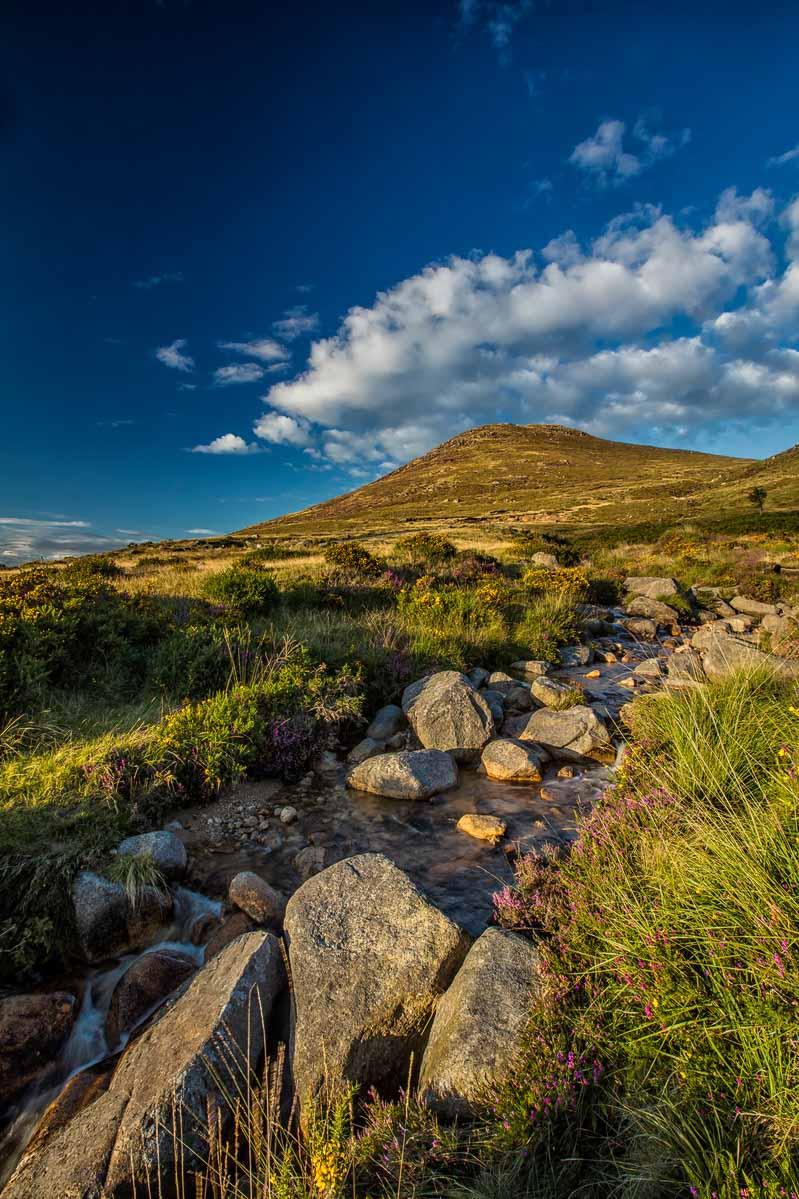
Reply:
x=87, y=1044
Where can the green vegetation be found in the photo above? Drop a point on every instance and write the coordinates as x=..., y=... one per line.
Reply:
x=244, y=591
x=662, y=1060
x=757, y=496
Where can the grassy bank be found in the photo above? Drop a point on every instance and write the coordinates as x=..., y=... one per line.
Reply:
x=129, y=687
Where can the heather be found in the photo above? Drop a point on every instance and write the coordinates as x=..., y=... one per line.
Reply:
x=664, y=1058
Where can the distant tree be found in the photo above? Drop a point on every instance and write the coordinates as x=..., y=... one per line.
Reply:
x=757, y=496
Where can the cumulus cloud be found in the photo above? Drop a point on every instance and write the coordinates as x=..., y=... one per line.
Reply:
x=282, y=430
x=202, y=532
x=265, y=349
x=296, y=322
x=239, y=372
x=227, y=443
x=604, y=158
x=579, y=334
x=173, y=356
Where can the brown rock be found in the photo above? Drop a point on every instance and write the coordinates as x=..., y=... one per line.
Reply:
x=253, y=895
x=33, y=1029
x=142, y=988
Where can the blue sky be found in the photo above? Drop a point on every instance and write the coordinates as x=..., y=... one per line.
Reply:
x=256, y=254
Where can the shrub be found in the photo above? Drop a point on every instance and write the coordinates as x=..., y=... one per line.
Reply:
x=69, y=631
x=94, y=566
x=528, y=542
x=271, y=551
x=606, y=591
x=470, y=567
x=191, y=663
x=349, y=558
x=550, y=620
x=570, y=582
x=243, y=590
x=425, y=547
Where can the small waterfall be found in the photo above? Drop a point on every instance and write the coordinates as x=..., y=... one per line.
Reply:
x=87, y=1044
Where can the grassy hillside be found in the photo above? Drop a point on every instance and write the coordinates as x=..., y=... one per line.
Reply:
x=541, y=474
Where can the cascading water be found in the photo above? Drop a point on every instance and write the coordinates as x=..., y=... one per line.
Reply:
x=87, y=1044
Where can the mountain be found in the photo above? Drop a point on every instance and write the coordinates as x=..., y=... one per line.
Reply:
x=545, y=475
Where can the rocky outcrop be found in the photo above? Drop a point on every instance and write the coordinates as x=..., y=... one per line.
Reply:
x=178, y=1070
x=142, y=988
x=528, y=669
x=33, y=1028
x=446, y=712
x=410, y=774
x=479, y=1022
x=641, y=627
x=365, y=749
x=512, y=761
x=574, y=734
x=166, y=851
x=369, y=957
x=254, y=895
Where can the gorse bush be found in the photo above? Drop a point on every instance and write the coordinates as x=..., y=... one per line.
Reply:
x=93, y=565
x=425, y=547
x=349, y=558
x=243, y=590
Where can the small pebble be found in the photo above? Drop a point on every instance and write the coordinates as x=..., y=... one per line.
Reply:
x=288, y=815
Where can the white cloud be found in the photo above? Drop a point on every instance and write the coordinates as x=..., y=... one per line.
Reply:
x=265, y=349
x=603, y=156
x=227, y=443
x=173, y=356
x=158, y=280
x=296, y=322
x=282, y=430
x=580, y=335
x=239, y=372
x=202, y=532
x=24, y=539
x=113, y=424
x=781, y=159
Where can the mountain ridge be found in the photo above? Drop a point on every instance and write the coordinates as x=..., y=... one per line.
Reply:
x=542, y=474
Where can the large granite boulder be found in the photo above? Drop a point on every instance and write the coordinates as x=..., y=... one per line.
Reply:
x=651, y=586
x=33, y=1028
x=177, y=1073
x=409, y=774
x=529, y=668
x=479, y=1022
x=551, y=692
x=512, y=761
x=574, y=734
x=166, y=851
x=369, y=957
x=446, y=712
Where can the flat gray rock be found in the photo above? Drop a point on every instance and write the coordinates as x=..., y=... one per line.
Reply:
x=409, y=774
x=652, y=586
x=574, y=734
x=512, y=761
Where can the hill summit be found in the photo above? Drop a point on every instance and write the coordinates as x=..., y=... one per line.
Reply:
x=543, y=474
